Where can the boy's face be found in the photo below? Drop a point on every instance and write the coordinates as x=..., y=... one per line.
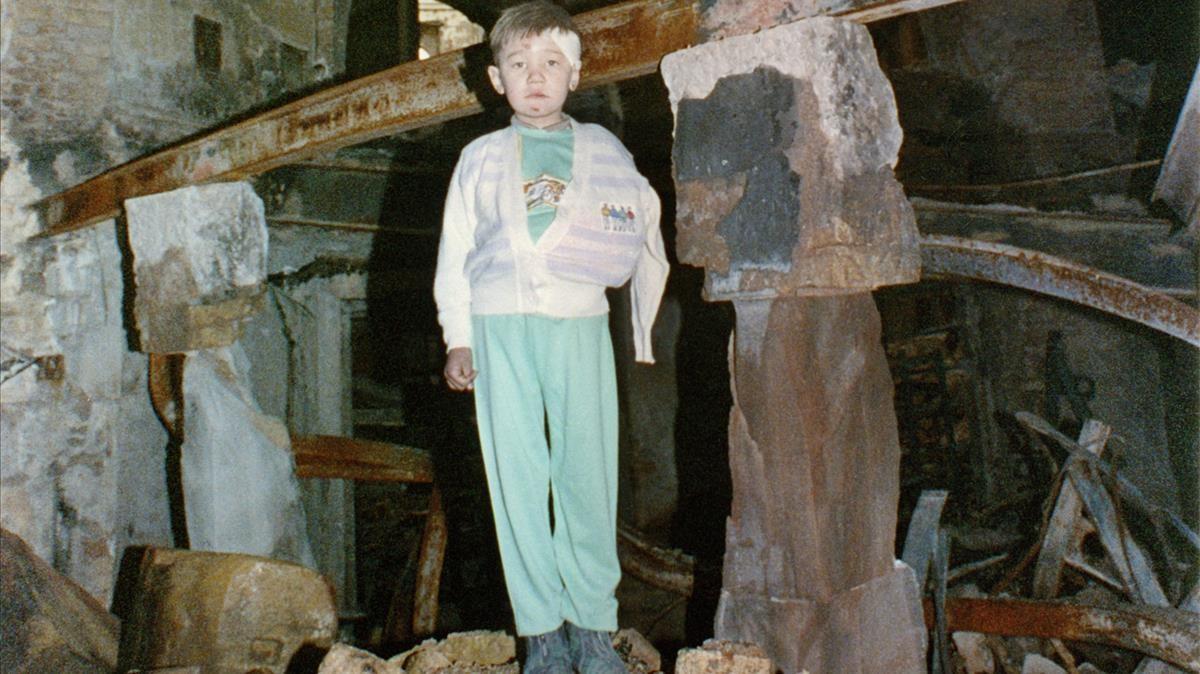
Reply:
x=535, y=76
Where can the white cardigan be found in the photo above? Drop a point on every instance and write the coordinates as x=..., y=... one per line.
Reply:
x=606, y=226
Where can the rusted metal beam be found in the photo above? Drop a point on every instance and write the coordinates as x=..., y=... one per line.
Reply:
x=1168, y=634
x=1054, y=276
x=622, y=42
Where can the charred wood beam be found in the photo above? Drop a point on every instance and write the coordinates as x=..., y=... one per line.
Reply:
x=429, y=567
x=623, y=41
x=329, y=456
x=1168, y=634
x=335, y=457
x=1054, y=276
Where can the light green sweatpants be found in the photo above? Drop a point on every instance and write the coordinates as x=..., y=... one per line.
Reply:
x=538, y=373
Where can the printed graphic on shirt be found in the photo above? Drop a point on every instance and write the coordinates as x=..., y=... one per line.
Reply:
x=544, y=190
x=617, y=218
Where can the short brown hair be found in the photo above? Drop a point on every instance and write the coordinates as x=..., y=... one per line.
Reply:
x=528, y=18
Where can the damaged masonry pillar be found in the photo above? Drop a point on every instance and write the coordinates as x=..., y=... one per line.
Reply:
x=199, y=261
x=784, y=146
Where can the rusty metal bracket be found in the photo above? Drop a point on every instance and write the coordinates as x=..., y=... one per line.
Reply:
x=1057, y=277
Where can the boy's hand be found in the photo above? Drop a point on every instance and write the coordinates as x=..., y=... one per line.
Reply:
x=460, y=375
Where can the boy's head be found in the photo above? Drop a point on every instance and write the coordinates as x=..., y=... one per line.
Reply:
x=536, y=55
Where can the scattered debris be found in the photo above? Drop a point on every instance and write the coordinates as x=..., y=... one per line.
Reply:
x=1036, y=664
x=480, y=647
x=478, y=651
x=1107, y=561
x=723, y=657
x=639, y=655
x=346, y=659
x=973, y=648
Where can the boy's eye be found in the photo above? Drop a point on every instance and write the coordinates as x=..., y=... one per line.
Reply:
x=552, y=62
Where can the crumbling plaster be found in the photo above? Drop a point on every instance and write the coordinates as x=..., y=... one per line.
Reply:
x=70, y=447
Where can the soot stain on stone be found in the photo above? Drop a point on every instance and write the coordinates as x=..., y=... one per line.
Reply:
x=743, y=127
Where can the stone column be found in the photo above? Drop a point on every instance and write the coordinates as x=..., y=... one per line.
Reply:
x=784, y=146
x=199, y=267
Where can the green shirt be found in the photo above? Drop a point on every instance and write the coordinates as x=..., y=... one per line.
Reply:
x=546, y=158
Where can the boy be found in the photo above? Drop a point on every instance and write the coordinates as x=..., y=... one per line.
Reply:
x=540, y=217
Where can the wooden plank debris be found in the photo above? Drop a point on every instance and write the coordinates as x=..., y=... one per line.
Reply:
x=329, y=456
x=1060, y=536
x=1131, y=562
x=1126, y=490
x=1075, y=561
x=921, y=541
x=941, y=634
x=964, y=570
x=429, y=568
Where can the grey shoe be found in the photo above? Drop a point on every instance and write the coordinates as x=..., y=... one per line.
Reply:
x=547, y=653
x=592, y=652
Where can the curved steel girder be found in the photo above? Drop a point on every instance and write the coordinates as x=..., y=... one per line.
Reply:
x=1054, y=276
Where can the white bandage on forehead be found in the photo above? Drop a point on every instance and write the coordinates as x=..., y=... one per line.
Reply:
x=568, y=44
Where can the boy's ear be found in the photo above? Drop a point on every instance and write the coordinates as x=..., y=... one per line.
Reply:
x=497, y=83
x=574, y=78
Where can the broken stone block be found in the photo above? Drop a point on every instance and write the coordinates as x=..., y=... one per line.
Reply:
x=876, y=627
x=794, y=195
x=199, y=263
x=426, y=658
x=461, y=653
x=240, y=492
x=637, y=652
x=226, y=613
x=723, y=657
x=1037, y=664
x=479, y=648
x=48, y=622
x=977, y=656
x=346, y=659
